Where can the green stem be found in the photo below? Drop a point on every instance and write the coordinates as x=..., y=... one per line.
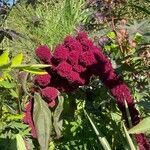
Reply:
x=100, y=136
x=129, y=121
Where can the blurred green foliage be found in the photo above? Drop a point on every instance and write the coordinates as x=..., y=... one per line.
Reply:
x=48, y=23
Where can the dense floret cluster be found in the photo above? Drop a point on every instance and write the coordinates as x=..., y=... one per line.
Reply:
x=44, y=54
x=28, y=117
x=73, y=63
x=50, y=94
x=42, y=80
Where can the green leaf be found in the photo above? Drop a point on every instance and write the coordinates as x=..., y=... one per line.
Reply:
x=40, y=66
x=5, y=66
x=111, y=35
x=142, y=28
x=17, y=60
x=34, y=66
x=20, y=142
x=142, y=127
x=4, y=58
x=10, y=109
x=128, y=114
x=19, y=125
x=116, y=117
x=7, y=84
x=129, y=139
x=42, y=120
x=35, y=71
x=138, y=37
x=107, y=47
x=145, y=104
x=57, y=117
x=13, y=93
x=142, y=9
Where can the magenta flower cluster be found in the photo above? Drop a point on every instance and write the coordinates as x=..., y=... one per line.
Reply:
x=73, y=63
x=28, y=119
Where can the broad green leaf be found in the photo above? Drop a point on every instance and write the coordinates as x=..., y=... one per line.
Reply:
x=19, y=125
x=6, y=84
x=40, y=66
x=129, y=139
x=10, y=109
x=52, y=145
x=145, y=104
x=34, y=66
x=100, y=136
x=13, y=93
x=138, y=37
x=16, y=117
x=57, y=120
x=4, y=58
x=20, y=142
x=116, y=117
x=142, y=28
x=111, y=35
x=42, y=120
x=5, y=66
x=17, y=60
x=35, y=71
x=6, y=75
x=142, y=127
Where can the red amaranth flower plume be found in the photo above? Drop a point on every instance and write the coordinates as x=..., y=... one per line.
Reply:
x=74, y=67
x=50, y=94
x=99, y=55
x=61, y=53
x=44, y=53
x=60, y=83
x=119, y=90
x=28, y=117
x=73, y=44
x=81, y=36
x=142, y=142
x=78, y=68
x=73, y=57
x=87, y=58
x=86, y=75
x=63, y=69
x=75, y=79
x=52, y=104
x=121, y=93
x=42, y=80
x=87, y=44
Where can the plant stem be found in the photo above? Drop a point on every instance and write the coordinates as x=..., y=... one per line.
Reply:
x=100, y=136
